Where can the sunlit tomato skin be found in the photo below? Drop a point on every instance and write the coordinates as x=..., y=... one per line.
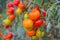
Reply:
x=6, y=22
x=38, y=33
x=44, y=13
x=27, y=23
x=11, y=17
x=10, y=10
x=38, y=23
x=6, y=26
x=16, y=2
x=19, y=11
x=30, y=33
x=9, y=35
x=34, y=15
x=10, y=4
x=21, y=5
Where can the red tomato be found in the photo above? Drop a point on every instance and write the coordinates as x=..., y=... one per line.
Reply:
x=10, y=10
x=6, y=26
x=38, y=23
x=44, y=13
x=16, y=2
x=0, y=16
x=11, y=17
x=34, y=15
x=10, y=35
x=21, y=5
x=36, y=8
x=10, y=4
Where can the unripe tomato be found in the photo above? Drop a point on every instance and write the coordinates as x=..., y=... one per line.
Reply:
x=43, y=34
x=28, y=29
x=19, y=11
x=21, y=5
x=30, y=33
x=16, y=2
x=10, y=10
x=34, y=15
x=34, y=38
x=11, y=17
x=25, y=16
x=10, y=4
x=38, y=23
x=27, y=23
x=44, y=13
x=6, y=22
x=9, y=35
x=38, y=33
x=6, y=26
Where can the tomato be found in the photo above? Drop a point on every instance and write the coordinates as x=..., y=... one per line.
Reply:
x=25, y=16
x=16, y=2
x=0, y=32
x=6, y=26
x=0, y=16
x=43, y=34
x=34, y=38
x=8, y=39
x=44, y=13
x=10, y=10
x=38, y=33
x=35, y=8
x=10, y=4
x=21, y=5
x=27, y=23
x=38, y=23
x=19, y=11
x=6, y=22
x=9, y=35
x=34, y=15
x=4, y=37
x=30, y=33
x=11, y=17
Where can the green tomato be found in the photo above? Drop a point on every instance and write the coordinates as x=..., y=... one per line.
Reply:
x=25, y=16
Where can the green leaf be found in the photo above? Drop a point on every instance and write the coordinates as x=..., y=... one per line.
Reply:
x=38, y=2
x=0, y=38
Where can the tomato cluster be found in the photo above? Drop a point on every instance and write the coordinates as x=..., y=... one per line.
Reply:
x=11, y=15
x=8, y=36
x=33, y=22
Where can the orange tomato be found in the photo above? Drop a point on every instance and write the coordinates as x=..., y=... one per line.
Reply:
x=34, y=15
x=30, y=33
x=21, y=5
x=27, y=23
